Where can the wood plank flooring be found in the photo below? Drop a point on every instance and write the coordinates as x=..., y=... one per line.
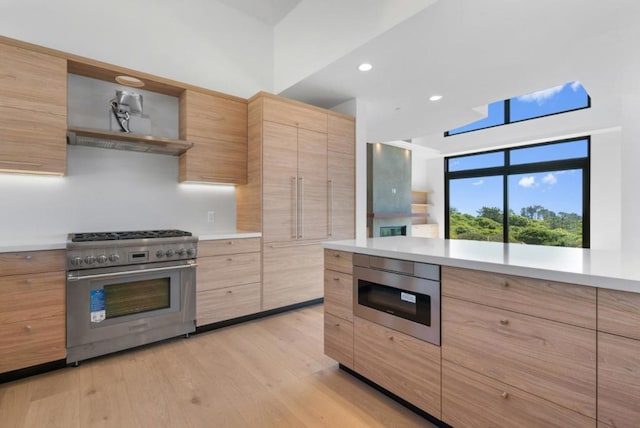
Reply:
x=265, y=373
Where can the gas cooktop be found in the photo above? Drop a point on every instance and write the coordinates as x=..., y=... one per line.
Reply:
x=137, y=234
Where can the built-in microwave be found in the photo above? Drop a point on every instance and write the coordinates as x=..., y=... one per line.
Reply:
x=399, y=294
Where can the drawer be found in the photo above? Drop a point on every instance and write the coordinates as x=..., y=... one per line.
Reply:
x=291, y=113
x=228, y=246
x=568, y=303
x=28, y=343
x=226, y=271
x=473, y=400
x=339, y=261
x=26, y=297
x=619, y=313
x=618, y=381
x=338, y=339
x=32, y=262
x=404, y=365
x=552, y=360
x=227, y=303
x=338, y=294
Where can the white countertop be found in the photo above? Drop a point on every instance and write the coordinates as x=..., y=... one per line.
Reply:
x=35, y=246
x=229, y=235
x=597, y=268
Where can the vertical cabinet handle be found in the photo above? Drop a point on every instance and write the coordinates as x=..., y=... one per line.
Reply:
x=301, y=235
x=294, y=206
x=330, y=207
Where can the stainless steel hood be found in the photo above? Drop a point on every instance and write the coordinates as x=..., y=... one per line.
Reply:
x=126, y=141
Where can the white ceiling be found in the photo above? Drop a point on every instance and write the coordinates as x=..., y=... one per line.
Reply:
x=268, y=11
x=472, y=52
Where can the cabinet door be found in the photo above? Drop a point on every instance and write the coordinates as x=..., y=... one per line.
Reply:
x=312, y=184
x=342, y=134
x=217, y=127
x=33, y=112
x=280, y=183
x=338, y=339
x=341, y=173
x=292, y=273
x=618, y=381
x=404, y=365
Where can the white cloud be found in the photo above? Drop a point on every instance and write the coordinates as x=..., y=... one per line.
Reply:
x=575, y=85
x=540, y=96
x=549, y=179
x=527, y=181
x=478, y=183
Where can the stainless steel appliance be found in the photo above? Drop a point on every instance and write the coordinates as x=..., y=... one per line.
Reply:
x=126, y=289
x=398, y=294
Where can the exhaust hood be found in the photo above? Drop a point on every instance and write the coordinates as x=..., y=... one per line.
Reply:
x=126, y=141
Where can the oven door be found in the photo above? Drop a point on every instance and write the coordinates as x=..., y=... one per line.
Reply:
x=114, y=302
x=404, y=303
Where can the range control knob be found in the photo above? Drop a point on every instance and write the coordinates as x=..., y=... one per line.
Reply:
x=76, y=261
x=90, y=260
x=159, y=254
x=114, y=258
x=182, y=252
x=191, y=252
x=169, y=252
x=102, y=259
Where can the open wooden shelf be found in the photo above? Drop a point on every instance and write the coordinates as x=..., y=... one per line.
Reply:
x=125, y=141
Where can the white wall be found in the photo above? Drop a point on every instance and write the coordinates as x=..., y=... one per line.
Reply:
x=200, y=42
x=316, y=33
x=109, y=190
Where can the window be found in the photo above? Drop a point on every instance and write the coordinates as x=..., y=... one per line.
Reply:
x=544, y=189
x=559, y=99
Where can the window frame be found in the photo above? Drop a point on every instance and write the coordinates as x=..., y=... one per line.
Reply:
x=528, y=168
x=507, y=117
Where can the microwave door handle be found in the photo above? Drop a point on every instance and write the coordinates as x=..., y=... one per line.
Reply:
x=130, y=272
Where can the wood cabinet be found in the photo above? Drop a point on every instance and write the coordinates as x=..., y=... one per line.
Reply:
x=341, y=176
x=228, y=281
x=32, y=309
x=292, y=273
x=338, y=306
x=471, y=400
x=552, y=360
x=288, y=190
x=619, y=313
x=217, y=127
x=295, y=183
x=33, y=111
x=404, y=365
x=618, y=381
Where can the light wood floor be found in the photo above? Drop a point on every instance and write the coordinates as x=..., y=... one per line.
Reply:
x=266, y=373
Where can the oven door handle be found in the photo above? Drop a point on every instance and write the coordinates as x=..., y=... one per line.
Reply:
x=130, y=272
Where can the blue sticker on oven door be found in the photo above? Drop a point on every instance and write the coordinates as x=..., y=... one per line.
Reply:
x=98, y=312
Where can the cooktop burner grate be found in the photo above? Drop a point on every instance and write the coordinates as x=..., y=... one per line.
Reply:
x=138, y=234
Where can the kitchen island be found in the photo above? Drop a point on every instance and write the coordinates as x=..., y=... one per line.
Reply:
x=531, y=335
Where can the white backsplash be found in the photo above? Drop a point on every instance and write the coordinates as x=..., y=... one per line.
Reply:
x=110, y=190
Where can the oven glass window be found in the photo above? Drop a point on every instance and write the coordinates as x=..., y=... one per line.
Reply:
x=135, y=297
x=408, y=305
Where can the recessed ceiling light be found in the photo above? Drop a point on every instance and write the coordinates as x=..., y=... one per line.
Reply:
x=130, y=81
x=365, y=66
x=435, y=97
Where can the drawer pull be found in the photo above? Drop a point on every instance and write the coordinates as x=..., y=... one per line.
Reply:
x=29, y=257
x=336, y=255
x=505, y=395
x=229, y=259
x=229, y=291
x=504, y=322
x=337, y=324
x=335, y=278
x=505, y=284
x=390, y=337
x=28, y=328
x=28, y=281
x=230, y=242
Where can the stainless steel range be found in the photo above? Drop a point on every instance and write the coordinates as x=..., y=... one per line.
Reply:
x=126, y=289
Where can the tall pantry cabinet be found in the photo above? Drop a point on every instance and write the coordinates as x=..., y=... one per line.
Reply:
x=288, y=195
